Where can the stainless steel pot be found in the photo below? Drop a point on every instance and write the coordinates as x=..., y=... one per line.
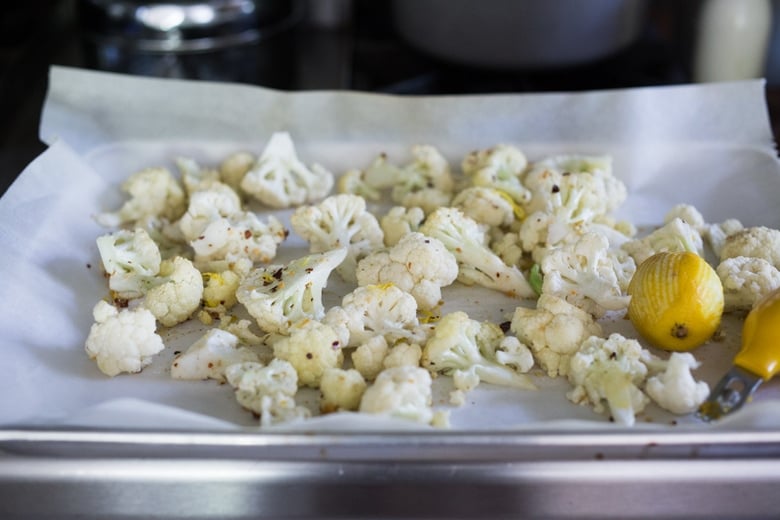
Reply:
x=513, y=34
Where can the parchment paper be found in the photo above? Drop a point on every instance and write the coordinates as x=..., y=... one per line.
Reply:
x=708, y=145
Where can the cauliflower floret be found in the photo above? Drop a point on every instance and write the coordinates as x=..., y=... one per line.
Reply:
x=341, y=390
x=716, y=234
x=403, y=392
x=280, y=180
x=122, y=341
x=233, y=168
x=210, y=355
x=131, y=259
x=511, y=352
x=588, y=274
x=687, y=213
x=488, y=206
x=426, y=182
x=368, y=358
x=610, y=370
x=154, y=192
x=554, y=331
x=176, y=291
x=674, y=236
x=369, y=183
x=207, y=205
x=375, y=310
x=746, y=280
x=399, y=222
x=418, y=264
x=403, y=354
x=237, y=241
x=675, y=389
x=477, y=264
x=279, y=295
x=311, y=348
x=500, y=167
x=756, y=242
x=507, y=247
x=243, y=330
x=193, y=176
x=219, y=291
x=463, y=347
x=339, y=221
x=268, y=391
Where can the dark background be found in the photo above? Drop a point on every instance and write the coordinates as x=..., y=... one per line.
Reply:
x=364, y=53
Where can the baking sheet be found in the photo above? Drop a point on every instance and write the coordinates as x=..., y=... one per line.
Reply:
x=706, y=145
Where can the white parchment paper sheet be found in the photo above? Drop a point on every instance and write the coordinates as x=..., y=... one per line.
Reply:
x=707, y=145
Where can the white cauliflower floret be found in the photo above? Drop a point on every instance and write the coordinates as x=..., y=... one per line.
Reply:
x=508, y=248
x=339, y=221
x=268, y=391
x=687, y=213
x=167, y=235
x=154, y=192
x=368, y=358
x=399, y=221
x=403, y=354
x=554, y=331
x=131, y=259
x=716, y=234
x=599, y=190
x=675, y=389
x=279, y=295
x=477, y=264
x=280, y=180
x=238, y=240
x=426, y=182
x=756, y=242
x=746, y=280
x=610, y=370
x=176, y=292
x=210, y=355
x=371, y=182
x=122, y=340
x=403, y=392
x=461, y=346
x=233, y=168
x=207, y=205
x=311, y=347
x=487, y=206
x=418, y=264
x=500, y=167
x=375, y=310
x=243, y=330
x=674, y=236
x=219, y=291
x=511, y=352
x=588, y=274
x=193, y=176
x=341, y=390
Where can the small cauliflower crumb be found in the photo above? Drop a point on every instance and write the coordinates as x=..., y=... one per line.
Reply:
x=341, y=390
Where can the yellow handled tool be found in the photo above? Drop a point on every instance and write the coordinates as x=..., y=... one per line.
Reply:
x=757, y=361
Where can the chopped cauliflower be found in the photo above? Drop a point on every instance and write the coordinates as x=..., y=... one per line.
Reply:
x=210, y=355
x=477, y=264
x=465, y=348
x=219, y=291
x=588, y=274
x=426, y=182
x=511, y=352
x=194, y=176
x=154, y=192
x=368, y=358
x=370, y=182
x=233, y=168
x=675, y=389
x=279, y=295
x=487, y=206
x=176, y=292
x=403, y=392
x=131, y=259
x=610, y=370
x=373, y=310
x=674, y=236
x=500, y=168
x=417, y=264
x=341, y=390
x=554, y=331
x=339, y=221
x=688, y=214
x=215, y=202
x=716, y=234
x=311, y=347
x=756, y=242
x=280, y=180
x=122, y=340
x=403, y=354
x=399, y=221
x=267, y=390
x=746, y=280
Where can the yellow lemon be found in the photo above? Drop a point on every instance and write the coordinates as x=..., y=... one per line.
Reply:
x=676, y=300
